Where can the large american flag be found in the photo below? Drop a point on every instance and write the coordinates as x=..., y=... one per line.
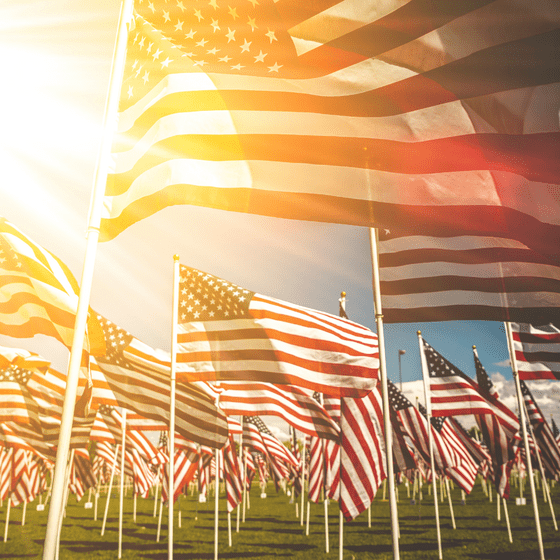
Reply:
x=537, y=350
x=137, y=377
x=227, y=333
x=410, y=114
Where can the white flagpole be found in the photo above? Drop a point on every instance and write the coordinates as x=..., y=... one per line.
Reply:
x=384, y=391
x=59, y=479
x=241, y=418
x=121, y=496
x=109, y=491
x=543, y=477
x=430, y=438
x=520, y=404
x=174, y=320
x=303, y=478
x=216, y=497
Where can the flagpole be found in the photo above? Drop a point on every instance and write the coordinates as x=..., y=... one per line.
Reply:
x=174, y=321
x=520, y=403
x=430, y=438
x=384, y=391
x=541, y=469
x=239, y=506
x=121, y=497
x=100, y=179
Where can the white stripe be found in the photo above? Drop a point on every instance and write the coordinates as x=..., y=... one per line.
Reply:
x=340, y=19
x=455, y=298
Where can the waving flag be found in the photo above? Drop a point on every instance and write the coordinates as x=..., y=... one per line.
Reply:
x=500, y=438
x=468, y=277
x=362, y=453
x=227, y=333
x=454, y=394
x=543, y=435
x=537, y=351
x=415, y=115
x=137, y=377
x=290, y=403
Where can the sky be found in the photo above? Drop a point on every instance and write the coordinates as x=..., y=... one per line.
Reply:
x=57, y=56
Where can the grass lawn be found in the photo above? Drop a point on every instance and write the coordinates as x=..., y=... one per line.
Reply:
x=271, y=530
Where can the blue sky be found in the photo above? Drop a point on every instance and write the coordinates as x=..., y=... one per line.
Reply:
x=58, y=58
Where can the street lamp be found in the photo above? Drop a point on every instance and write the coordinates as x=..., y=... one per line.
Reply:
x=401, y=353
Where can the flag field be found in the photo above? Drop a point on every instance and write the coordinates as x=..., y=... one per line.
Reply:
x=271, y=530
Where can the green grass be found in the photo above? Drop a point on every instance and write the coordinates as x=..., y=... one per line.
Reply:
x=271, y=530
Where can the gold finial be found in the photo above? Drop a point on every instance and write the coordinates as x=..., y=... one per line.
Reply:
x=342, y=294
x=175, y=257
x=474, y=346
x=418, y=332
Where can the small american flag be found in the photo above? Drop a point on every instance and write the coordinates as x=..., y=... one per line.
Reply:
x=543, y=435
x=227, y=333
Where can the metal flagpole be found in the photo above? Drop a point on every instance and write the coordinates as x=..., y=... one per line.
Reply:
x=430, y=438
x=121, y=497
x=171, y=442
x=520, y=404
x=59, y=479
x=384, y=391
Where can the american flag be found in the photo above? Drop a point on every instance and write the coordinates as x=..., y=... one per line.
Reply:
x=543, y=435
x=317, y=469
x=500, y=434
x=185, y=466
x=339, y=112
x=537, y=351
x=362, y=453
x=38, y=291
x=232, y=475
x=467, y=277
x=227, y=333
x=417, y=428
x=288, y=402
x=555, y=430
x=134, y=376
x=464, y=473
x=274, y=449
x=452, y=393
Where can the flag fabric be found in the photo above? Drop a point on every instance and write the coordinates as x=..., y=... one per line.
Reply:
x=39, y=292
x=415, y=422
x=317, y=469
x=341, y=113
x=555, y=430
x=362, y=453
x=537, y=351
x=467, y=277
x=465, y=471
x=454, y=394
x=227, y=333
x=543, y=435
x=288, y=402
x=232, y=475
x=500, y=436
x=137, y=377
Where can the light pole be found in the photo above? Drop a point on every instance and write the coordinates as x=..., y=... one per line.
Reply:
x=401, y=352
